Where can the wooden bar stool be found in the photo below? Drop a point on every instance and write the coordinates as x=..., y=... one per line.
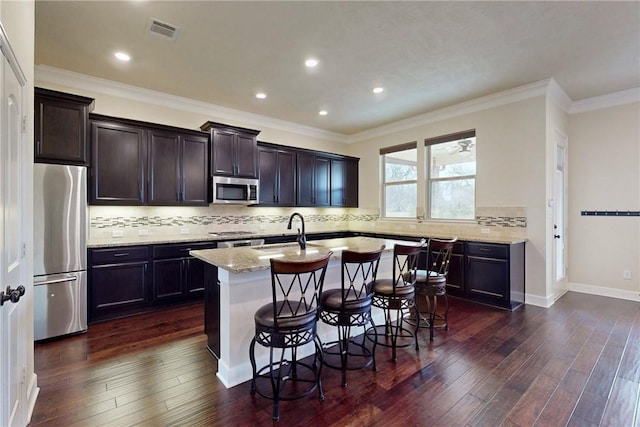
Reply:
x=284, y=325
x=396, y=296
x=350, y=306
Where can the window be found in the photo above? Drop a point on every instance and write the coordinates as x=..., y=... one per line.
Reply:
x=451, y=176
x=400, y=180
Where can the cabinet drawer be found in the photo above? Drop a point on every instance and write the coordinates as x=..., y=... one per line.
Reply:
x=488, y=250
x=179, y=250
x=119, y=255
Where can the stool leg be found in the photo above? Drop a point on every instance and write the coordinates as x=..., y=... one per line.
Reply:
x=252, y=358
x=318, y=345
x=432, y=316
x=375, y=341
x=446, y=312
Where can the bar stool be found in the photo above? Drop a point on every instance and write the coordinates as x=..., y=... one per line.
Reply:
x=287, y=323
x=397, y=295
x=350, y=306
x=431, y=283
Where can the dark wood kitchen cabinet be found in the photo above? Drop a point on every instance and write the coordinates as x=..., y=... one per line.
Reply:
x=177, y=276
x=344, y=182
x=139, y=163
x=118, y=282
x=177, y=169
x=277, y=176
x=495, y=273
x=314, y=180
x=455, y=278
x=118, y=165
x=234, y=150
x=61, y=128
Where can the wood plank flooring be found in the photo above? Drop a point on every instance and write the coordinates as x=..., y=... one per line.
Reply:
x=576, y=364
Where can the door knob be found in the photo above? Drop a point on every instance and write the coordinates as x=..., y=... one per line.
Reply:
x=12, y=295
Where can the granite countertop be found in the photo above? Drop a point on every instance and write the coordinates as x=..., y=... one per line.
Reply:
x=246, y=259
x=212, y=237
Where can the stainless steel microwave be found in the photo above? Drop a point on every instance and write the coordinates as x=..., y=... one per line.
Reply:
x=239, y=191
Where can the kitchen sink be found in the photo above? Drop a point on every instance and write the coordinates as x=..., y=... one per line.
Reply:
x=278, y=247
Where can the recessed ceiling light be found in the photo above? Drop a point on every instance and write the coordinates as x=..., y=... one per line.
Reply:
x=311, y=62
x=261, y=95
x=378, y=89
x=122, y=56
x=323, y=112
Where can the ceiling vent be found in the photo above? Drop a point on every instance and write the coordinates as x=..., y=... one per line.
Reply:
x=162, y=29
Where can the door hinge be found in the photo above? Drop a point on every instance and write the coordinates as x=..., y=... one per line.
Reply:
x=24, y=250
x=24, y=124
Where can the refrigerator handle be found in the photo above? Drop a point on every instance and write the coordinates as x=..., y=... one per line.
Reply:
x=64, y=279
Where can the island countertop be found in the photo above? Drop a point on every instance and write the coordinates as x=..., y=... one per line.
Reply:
x=256, y=258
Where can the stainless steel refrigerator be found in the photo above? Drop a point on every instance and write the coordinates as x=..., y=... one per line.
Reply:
x=60, y=250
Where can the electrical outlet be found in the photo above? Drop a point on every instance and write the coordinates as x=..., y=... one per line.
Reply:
x=143, y=232
x=626, y=274
x=484, y=230
x=117, y=233
x=184, y=231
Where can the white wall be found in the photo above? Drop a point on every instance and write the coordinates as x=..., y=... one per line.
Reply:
x=511, y=159
x=604, y=160
x=162, y=111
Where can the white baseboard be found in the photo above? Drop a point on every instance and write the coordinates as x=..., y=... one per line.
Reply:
x=32, y=396
x=604, y=292
x=544, y=302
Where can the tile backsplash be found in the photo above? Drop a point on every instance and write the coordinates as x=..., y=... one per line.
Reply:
x=132, y=221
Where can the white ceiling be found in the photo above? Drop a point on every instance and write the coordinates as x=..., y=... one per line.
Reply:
x=427, y=55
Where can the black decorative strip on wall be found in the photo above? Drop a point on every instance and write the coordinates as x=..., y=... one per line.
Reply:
x=610, y=213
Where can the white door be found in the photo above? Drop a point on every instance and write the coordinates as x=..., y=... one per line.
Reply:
x=560, y=217
x=13, y=315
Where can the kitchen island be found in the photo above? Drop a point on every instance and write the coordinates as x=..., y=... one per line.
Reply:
x=243, y=285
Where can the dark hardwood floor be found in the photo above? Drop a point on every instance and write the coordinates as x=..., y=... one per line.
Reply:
x=577, y=364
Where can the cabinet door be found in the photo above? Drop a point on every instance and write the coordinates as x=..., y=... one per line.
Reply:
x=164, y=168
x=194, y=172
x=117, y=289
x=60, y=131
x=338, y=180
x=246, y=156
x=167, y=279
x=222, y=151
x=194, y=276
x=117, y=170
x=455, y=277
x=351, y=184
x=322, y=182
x=305, y=176
x=286, y=178
x=267, y=160
x=488, y=279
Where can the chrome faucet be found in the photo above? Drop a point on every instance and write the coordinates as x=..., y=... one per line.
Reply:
x=302, y=238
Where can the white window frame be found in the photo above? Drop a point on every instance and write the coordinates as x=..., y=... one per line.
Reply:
x=385, y=184
x=430, y=142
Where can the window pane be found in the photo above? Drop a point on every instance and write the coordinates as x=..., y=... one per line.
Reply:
x=401, y=166
x=453, y=199
x=401, y=200
x=455, y=158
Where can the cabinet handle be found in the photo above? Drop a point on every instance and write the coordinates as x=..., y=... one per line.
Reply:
x=121, y=254
x=485, y=250
x=38, y=147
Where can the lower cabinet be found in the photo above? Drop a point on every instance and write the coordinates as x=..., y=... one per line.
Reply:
x=133, y=279
x=212, y=309
x=455, y=278
x=495, y=273
x=118, y=282
x=176, y=275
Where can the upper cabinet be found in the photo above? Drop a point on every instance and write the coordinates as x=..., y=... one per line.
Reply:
x=299, y=177
x=137, y=163
x=314, y=181
x=234, y=150
x=344, y=182
x=61, y=127
x=277, y=176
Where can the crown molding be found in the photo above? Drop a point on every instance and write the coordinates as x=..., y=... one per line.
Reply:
x=489, y=101
x=44, y=73
x=614, y=99
x=558, y=96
